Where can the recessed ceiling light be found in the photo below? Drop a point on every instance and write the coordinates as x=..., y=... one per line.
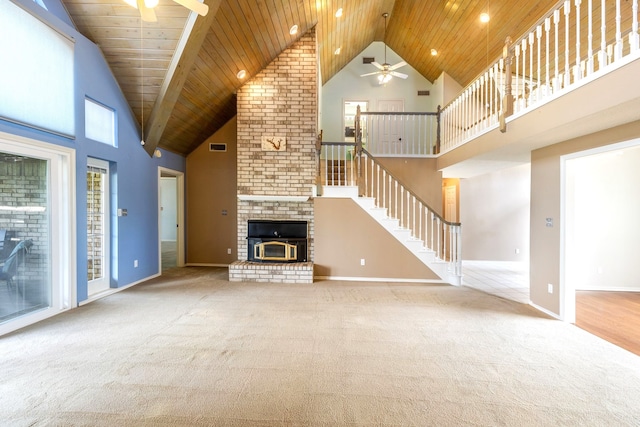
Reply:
x=241, y=74
x=434, y=52
x=337, y=51
x=484, y=17
x=293, y=30
x=339, y=13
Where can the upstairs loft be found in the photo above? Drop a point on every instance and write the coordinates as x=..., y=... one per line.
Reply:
x=573, y=74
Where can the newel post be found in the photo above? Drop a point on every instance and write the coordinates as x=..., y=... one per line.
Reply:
x=507, y=99
x=358, y=134
x=438, y=131
x=318, y=168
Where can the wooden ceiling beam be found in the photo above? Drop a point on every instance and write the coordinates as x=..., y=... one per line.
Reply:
x=183, y=59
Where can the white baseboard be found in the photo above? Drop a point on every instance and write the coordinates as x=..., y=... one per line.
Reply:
x=379, y=279
x=545, y=311
x=599, y=289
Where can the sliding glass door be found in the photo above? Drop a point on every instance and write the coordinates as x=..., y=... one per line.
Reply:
x=35, y=224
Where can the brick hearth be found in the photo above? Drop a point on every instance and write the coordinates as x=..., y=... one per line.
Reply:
x=245, y=271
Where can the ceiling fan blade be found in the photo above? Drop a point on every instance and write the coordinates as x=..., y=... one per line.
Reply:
x=370, y=74
x=377, y=65
x=195, y=6
x=397, y=74
x=398, y=65
x=147, y=14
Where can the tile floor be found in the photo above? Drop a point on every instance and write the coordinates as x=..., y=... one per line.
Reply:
x=509, y=280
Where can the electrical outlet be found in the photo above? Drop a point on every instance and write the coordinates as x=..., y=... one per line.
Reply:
x=135, y=263
x=517, y=251
x=362, y=261
x=549, y=288
x=228, y=251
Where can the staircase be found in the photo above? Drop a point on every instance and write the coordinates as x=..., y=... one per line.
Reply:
x=434, y=241
x=406, y=236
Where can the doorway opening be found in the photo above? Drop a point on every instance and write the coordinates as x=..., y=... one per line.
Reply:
x=599, y=236
x=349, y=117
x=170, y=218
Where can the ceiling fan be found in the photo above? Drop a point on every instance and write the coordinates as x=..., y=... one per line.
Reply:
x=386, y=71
x=148, y=15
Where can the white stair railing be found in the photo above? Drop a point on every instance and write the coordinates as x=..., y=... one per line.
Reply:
x=425, y=225
x=337, y=164
x=575, y=41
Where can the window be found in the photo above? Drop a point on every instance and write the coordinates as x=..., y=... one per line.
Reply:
x=37, y=83
x=37, y=278
x=98, y=273
x=99, y=122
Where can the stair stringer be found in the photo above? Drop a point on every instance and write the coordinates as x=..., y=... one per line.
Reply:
x=404, y=236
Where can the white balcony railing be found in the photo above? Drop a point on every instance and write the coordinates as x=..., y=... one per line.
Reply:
x=576, y=41
x=399, y=134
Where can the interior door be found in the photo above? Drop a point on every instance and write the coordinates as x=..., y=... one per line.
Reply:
x=392, y=132
x=450, y=203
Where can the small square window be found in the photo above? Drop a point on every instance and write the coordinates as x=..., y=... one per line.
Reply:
x=99, y=122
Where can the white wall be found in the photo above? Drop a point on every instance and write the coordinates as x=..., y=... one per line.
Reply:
x=495, y=211
x=168, y=213
x=445, y=90
x=602, y=220
x=348, y=85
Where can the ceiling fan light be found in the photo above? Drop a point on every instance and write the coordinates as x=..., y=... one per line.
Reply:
x=150, y=3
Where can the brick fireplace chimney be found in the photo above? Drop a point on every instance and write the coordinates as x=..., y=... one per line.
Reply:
x=277, y=129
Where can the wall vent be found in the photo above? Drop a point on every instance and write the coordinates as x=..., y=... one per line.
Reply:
x=217, y=147
x=423, y=93
x=368, y=59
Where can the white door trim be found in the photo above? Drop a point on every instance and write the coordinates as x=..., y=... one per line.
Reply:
x=162, y=171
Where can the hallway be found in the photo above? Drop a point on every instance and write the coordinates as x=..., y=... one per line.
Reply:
x=508, y=280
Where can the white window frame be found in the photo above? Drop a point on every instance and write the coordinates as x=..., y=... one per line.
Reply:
x=38, y=83
x=61, y=189
x=102, y=284
x=99, y=122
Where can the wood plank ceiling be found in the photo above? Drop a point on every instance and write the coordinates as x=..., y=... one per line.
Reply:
x=249, y=34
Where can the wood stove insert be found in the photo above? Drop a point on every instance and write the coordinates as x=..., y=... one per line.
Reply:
x=277, y=241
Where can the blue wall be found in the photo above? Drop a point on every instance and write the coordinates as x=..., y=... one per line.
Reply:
x=134, y=172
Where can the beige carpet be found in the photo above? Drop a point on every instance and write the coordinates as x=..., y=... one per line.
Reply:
x=190, y=348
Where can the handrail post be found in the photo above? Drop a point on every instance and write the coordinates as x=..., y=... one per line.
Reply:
x=358, y=152
x=319, y=168
x=507, y=100
x=437, y=147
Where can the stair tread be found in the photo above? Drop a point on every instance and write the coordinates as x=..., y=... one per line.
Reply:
x=414, y=244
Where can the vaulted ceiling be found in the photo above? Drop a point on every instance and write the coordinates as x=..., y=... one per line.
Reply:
x=179, y=74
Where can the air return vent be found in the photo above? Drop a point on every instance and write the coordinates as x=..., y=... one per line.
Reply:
x=368, y=59
x=217, y=147
x=423, y=93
